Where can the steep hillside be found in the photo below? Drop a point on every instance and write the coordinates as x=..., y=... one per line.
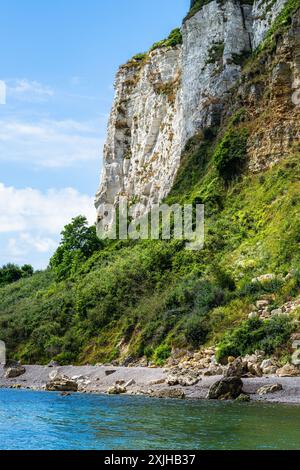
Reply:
x=238, y=153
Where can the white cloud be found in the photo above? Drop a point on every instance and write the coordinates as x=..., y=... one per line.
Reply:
x=31, y=221
x=49, y=143
x=26, y=242
x=28, y=209
x=2, y=92
x=26, y=90
x=25, y=248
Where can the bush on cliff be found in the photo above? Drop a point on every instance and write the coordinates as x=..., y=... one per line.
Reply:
x=255, y=334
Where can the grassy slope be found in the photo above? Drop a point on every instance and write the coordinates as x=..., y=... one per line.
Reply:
x=143, y=298
x=154, y=295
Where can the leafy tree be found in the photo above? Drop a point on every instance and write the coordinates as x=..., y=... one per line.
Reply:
x=27, y=270
x=79, y=241
x=11, y=273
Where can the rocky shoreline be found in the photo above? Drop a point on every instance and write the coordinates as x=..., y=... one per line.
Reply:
x=154, y=382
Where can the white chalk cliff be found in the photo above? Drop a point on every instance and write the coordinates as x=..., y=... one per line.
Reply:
x=166, y=97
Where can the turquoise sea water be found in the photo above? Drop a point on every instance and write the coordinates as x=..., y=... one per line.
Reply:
x=38, y=420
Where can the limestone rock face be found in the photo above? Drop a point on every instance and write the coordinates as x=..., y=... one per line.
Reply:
x=264, y=13
x=144, y=141
x=164, y=98
x=214, y=40
x=279, y=93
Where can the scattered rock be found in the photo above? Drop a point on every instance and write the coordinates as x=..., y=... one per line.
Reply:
x=213, y=370
x=54, y=374
x=227, y=388
x=267, y=363
x=168, y=393
x=277, y=311
x=78, y=378
x=243, y=397
x=270, y=370
x=130, y=383
x=269, y=389
x=16, y=371
x=289, y=370
x=251, y=358
x=264, y=278
x=172, y=380
x=269, y=366
x=262, y=303
x=295, y=337
x=180, y=377
x=62, y=383
x=188, y=381
x=116, y=390
x=204, y=363
x=120, y=382
x=16, y=386
x=253, y=315
x=157, y=382
x=109, y=372
x=184, y=380
x=10, y=363
x=255, y=369
x=260, y=355
x=237, y=368
x=127, y=361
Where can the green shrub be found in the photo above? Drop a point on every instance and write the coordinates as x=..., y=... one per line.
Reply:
x=231, y=153
x=259, y=288
x=255, y=334
x=196, y=330
x=223, y=278
x=65, y=358
x=215, y=53
x=11, y=273
x=174, y=39
x=161, y=354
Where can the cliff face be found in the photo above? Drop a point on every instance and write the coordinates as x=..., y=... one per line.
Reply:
x=268, y=90
x=214, y=41
x=140, y=303
x=264, y=13
x=167, y=96
x=144, y=140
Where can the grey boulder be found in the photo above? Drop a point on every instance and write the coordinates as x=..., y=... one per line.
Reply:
x=228, y=388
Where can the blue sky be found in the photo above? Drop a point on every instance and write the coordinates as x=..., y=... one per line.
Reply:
x=58, y=60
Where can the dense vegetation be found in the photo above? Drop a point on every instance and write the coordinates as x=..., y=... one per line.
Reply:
x=132, y=299
x=122, y=300
x=78, y=243
x=174, y=38
x=11, y=273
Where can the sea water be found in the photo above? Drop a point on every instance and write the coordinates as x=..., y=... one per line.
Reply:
x=40, y=420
